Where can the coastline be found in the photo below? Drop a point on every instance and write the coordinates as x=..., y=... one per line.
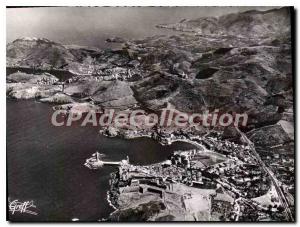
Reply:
x=208, y=63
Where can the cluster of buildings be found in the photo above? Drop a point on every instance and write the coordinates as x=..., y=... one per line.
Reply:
x=47, y=79
x=239, y=174
x=247, y=180
x=282, y=165
x=111, y=72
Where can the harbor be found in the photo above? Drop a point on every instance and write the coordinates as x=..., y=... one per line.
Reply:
x=56, y=154
x=212, y=175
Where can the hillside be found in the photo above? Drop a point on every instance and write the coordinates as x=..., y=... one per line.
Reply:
x=193, y=72
x=44, y=54
x=249, y=23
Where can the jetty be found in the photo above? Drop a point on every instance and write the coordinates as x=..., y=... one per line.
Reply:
x=95, y=162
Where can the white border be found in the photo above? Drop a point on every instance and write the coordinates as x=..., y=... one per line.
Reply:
x=151, y=3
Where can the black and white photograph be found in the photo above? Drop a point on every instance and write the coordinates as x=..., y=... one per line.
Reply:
x=150, y=114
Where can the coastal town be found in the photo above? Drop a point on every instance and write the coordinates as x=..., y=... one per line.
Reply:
x=235, y=64
x=216, y=181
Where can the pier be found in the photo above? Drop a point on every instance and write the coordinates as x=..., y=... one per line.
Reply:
x=95, y=162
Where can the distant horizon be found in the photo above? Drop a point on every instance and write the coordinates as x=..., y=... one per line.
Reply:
x=91, y=26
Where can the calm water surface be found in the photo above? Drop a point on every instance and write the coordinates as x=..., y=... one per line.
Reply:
x=45, y=164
